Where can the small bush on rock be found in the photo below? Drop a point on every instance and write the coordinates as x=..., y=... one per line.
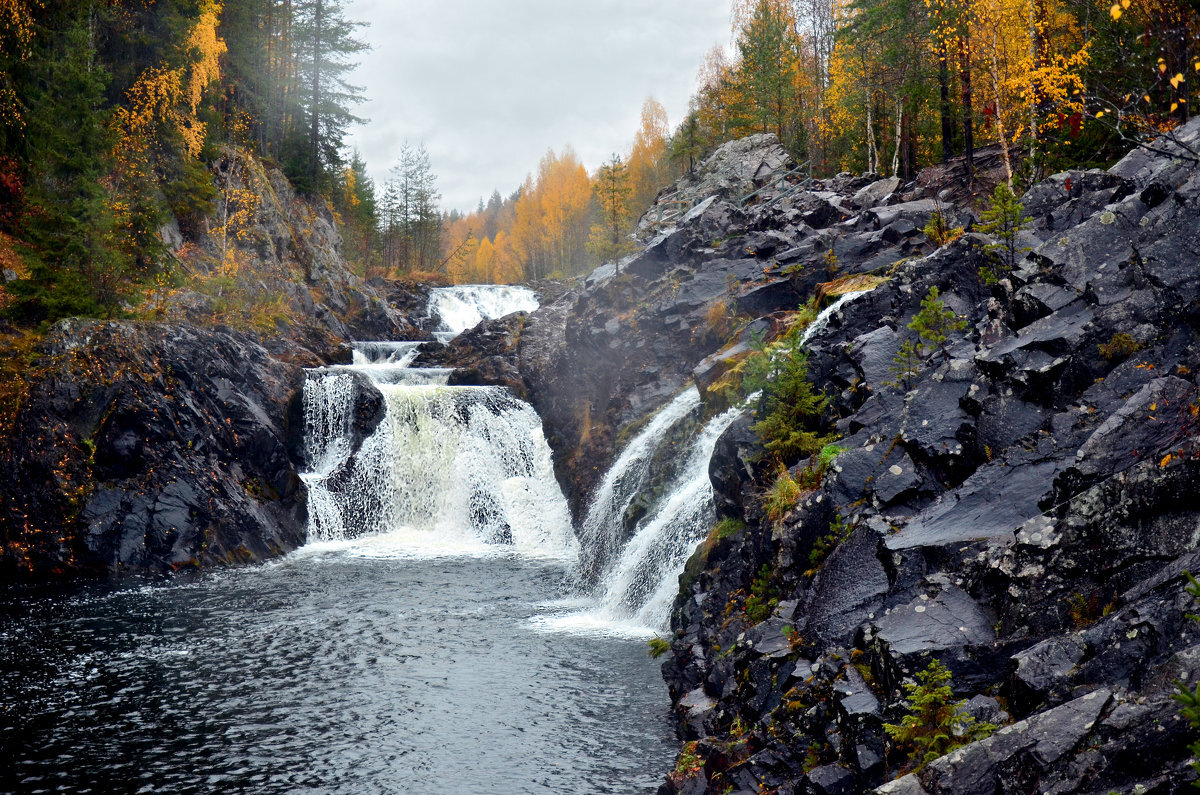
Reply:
x=782, y=496
x=936, y=724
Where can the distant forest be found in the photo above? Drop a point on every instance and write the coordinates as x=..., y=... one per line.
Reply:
x=113, y=113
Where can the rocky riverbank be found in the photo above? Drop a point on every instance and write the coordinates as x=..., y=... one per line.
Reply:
x=1018, y=507
x=174, y=440
x=1021, y=511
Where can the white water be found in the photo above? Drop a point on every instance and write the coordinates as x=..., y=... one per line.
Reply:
x=821, y=322
x=467, y=305
x=466, y=470
x=448, y=471
x=638, y=586
x=600, y=535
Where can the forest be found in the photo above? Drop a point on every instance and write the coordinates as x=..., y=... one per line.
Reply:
x=113, y=113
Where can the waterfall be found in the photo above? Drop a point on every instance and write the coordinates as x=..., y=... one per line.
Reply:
x=465, y=306
x=637, y=583
x=600, y=535
x=448, y=470
x=641, y=586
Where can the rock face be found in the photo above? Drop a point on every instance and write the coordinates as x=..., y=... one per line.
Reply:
x=144, y=447
x=1021, y=509
x=606, y=352
x=156, y=447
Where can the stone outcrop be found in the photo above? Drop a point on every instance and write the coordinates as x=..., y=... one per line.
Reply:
x=1022, y=510
x=144, y=447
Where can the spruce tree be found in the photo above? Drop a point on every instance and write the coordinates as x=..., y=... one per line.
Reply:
x=935, y=322
x=1002, y=221
x=325, y=46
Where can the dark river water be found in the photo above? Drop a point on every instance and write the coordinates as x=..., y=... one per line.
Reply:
x=328, y=671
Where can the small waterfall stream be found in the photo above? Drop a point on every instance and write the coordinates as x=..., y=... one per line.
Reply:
x=635, y=583
x=465, y=306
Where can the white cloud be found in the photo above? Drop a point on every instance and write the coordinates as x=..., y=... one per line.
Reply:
x=489, y=86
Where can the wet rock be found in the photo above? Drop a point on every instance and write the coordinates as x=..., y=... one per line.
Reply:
x=1043, y=670
x=831, y=780
x=847, y=591
x=155, y=447
x=1014, y=756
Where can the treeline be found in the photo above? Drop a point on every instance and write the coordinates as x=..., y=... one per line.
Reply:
x=562, y=221
x=112, y=112
x=891, y=86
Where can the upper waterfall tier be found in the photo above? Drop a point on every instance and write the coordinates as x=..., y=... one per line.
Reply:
x=467, y=305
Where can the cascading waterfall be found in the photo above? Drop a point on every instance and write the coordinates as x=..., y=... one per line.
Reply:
x=448, y=470
x=641, y=586
x=464, y=469
x=637, y=587
x=467, y=305
x=600, y=536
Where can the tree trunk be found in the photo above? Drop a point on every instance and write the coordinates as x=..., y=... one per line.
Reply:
x=964, y=69
x=944, y=104
x=314, y=133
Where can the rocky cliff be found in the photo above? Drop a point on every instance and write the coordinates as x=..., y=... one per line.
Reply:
x=1020, y=508
x=1021, y=511
x=174, y=440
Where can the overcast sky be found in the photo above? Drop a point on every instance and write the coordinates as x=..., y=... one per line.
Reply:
x=490, y=85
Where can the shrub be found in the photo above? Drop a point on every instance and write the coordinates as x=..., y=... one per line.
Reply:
x=658, y=647
x=1119, y=346
x=719, y=320
x=938, y=229
x=727, y=528
x=936, y=724
x=935, y=322
x=781, y=496
x=792, y=407
x=762, y=599
x=906, y=365
x=839, y=531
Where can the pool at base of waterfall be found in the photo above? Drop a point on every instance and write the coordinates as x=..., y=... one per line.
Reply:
x=345, y=667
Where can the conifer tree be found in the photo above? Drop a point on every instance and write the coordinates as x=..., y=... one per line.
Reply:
x=609, y=238
x=1002, y=221
x=935, y=322
x=325, y=44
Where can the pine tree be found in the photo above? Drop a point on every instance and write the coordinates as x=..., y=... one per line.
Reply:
x=325, y=45
x=936, y=724
x=1002, y=221
x=935, y=322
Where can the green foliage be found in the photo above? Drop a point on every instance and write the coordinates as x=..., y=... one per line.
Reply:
x=1119, y=346
x=68, y=223
x=1189, y=698
x=658, y=647
x=727, y=528
x=935, y=322
x=791, y=419
x=781, y=496
x=839, y=531
x=1002, y=220
x=936, y=724
x=688, y=764
x=827, y=454
x=762, y=599
x=938, y=229
x=906, y=365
